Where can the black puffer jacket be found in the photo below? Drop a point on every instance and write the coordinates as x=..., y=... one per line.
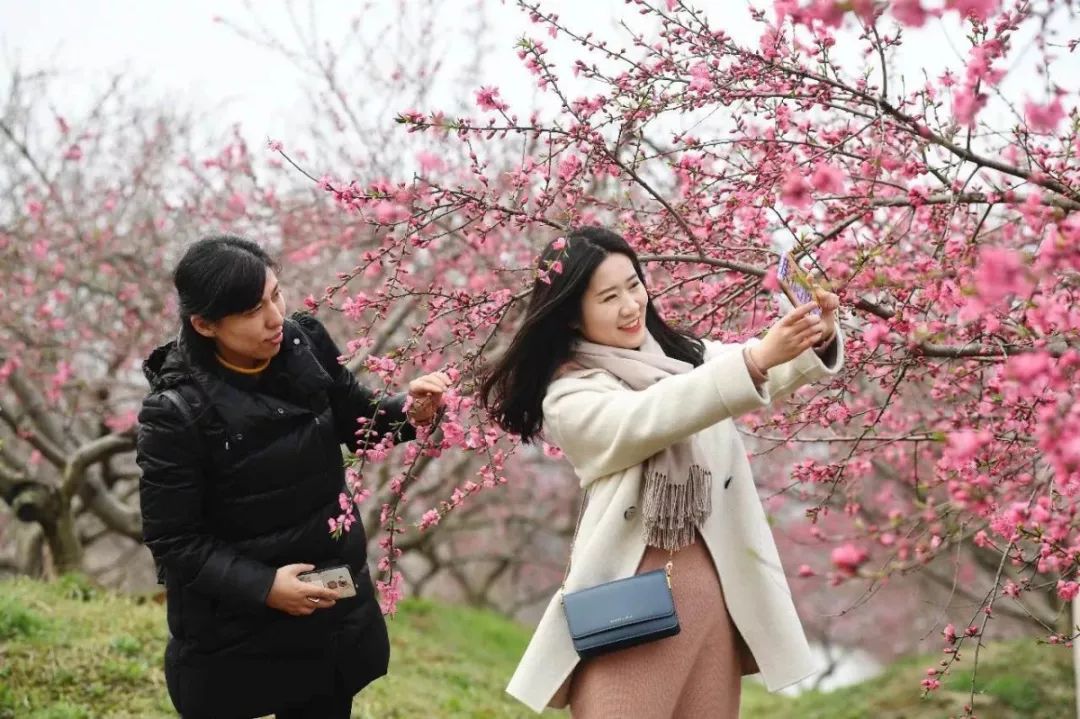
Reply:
x=245, y=487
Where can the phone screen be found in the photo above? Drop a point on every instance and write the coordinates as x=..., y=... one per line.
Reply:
x=794, y=282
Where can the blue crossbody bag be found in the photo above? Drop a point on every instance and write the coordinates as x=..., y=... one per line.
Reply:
x=621, y=613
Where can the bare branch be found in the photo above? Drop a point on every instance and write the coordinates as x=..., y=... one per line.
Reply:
x=90, y=453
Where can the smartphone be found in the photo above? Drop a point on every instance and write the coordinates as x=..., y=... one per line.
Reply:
x=339, y=578
x=794, y=282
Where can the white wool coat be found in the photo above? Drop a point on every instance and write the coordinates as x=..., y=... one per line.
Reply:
x=606, y=432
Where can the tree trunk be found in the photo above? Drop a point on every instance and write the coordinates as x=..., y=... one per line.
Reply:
x=29, y=549
x=41, y=504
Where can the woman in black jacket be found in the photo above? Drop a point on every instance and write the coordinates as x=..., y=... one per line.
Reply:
x=239, y=444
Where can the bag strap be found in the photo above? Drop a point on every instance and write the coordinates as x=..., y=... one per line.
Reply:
x=573, y=542
x=669, y=568
x=189, y=417
x=181, y=404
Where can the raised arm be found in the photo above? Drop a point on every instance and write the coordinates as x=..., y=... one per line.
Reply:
x=797, y=361
x=604, y=427
x=808, y=367
x=350, y=399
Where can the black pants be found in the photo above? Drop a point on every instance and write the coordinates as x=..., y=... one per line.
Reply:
x=337, y=706
x=334, y=707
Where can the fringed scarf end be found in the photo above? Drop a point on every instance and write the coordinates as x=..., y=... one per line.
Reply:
x=671, y=512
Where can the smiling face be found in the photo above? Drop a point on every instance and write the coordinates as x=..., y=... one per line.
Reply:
x=613, y=306
x=249, y=338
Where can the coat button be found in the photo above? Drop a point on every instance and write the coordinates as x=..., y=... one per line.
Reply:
x=296, y=340
x=630, y=512
x=280, y=410
x=239, y=438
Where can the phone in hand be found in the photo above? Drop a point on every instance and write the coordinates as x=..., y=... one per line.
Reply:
x=338, y=578
x=795, y=282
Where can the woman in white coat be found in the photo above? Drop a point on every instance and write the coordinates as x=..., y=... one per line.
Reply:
x=644, y=413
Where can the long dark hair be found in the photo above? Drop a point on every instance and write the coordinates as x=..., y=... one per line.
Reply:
x=218, y=276
x=513, y=391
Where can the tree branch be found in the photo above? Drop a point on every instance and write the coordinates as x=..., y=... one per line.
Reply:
x=90, y=453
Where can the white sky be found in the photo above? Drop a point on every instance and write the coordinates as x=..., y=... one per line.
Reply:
x=186, y=57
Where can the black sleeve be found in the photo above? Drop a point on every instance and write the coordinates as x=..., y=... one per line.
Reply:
x=169, y=451
x=350, y=399
x=830, y=353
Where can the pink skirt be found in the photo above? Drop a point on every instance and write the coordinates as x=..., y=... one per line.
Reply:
x=697, y=674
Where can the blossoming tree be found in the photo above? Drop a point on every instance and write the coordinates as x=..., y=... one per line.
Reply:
x=942, y=209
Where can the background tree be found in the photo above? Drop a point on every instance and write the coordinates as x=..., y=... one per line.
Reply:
x=941, y=207
x=943, y=212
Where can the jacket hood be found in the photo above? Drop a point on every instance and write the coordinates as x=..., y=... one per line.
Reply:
x=167, y=366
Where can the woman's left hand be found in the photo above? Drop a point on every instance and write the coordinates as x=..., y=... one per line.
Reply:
x=426, y=393
x=829, y=303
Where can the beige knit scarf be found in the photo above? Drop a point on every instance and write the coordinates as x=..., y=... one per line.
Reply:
x=677, y=495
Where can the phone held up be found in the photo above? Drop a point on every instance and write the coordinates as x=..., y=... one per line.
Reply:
x=795, y=282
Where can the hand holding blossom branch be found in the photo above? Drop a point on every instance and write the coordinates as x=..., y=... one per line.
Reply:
x=425, y=397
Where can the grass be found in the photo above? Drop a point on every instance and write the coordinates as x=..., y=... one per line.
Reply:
x=71, y=651
x=447, y=661
x=1015, y=680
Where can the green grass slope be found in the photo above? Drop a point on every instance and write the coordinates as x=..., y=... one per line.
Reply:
x=70, y=651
